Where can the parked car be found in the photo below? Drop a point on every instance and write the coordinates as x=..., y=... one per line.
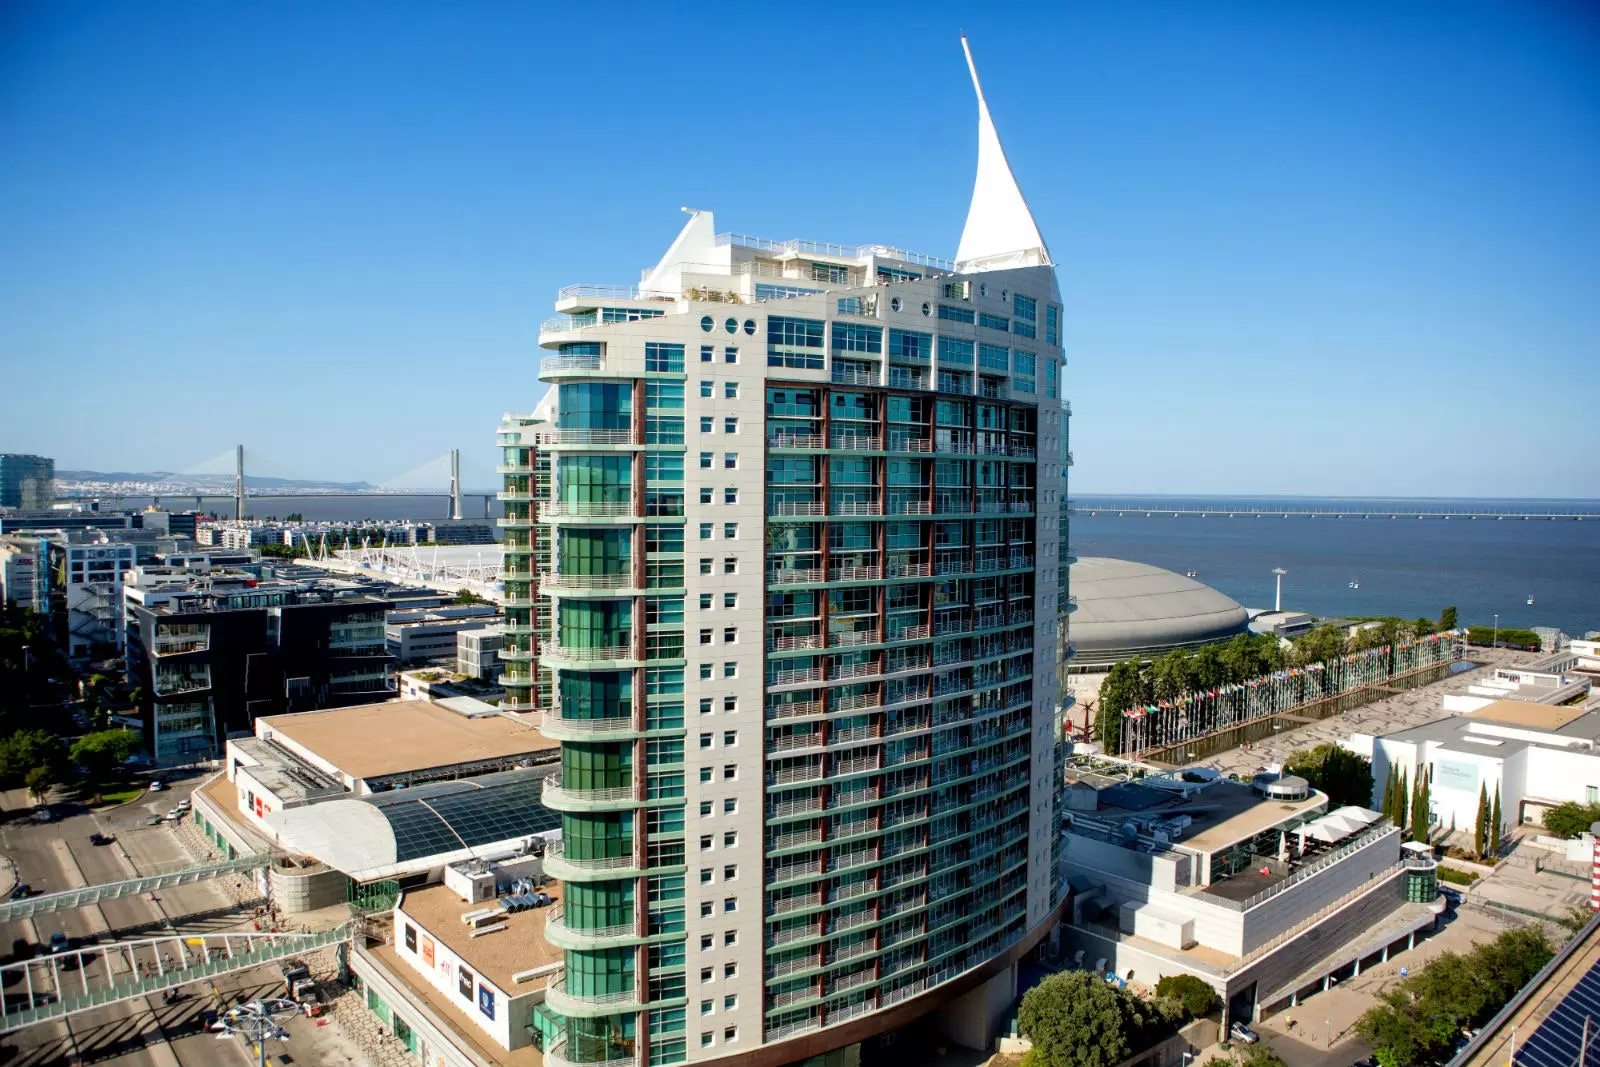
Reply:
x=97, y=839
x=1452, y=898
x=154, y=820
x=59, y=942
x=185, y=804
x=22, y=892
x=157, y=785
x=1243, y=1034
x=42, y=815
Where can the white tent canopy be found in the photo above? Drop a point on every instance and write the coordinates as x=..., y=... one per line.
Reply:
x=1337, y=825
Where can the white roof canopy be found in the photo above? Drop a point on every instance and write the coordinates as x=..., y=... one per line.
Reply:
x=1000, y=231
x=1338, y=825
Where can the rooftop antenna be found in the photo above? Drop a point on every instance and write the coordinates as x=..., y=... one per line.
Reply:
x=1277, y=603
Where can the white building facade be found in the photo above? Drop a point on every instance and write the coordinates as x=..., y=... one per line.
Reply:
x=793, y=511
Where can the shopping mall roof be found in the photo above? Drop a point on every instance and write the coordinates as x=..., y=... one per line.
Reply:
x=416, y=735
x=405, y=831
x=1127, y=609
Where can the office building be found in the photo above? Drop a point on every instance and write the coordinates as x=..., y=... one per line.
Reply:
x=85, y=591
x=213, y=654
x=429, y=635
x=20, y=571
x=478, y=652
x=27, y=481
x=794, y=511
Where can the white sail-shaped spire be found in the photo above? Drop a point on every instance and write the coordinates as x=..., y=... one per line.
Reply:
x=1000, y=230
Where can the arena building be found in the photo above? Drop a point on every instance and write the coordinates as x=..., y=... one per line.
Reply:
x=1127, y=609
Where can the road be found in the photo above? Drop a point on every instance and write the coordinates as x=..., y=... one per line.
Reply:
x=58, y=855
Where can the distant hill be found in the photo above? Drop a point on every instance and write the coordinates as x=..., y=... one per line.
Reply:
x=214, y=481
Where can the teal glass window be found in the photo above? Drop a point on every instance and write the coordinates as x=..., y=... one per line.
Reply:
x=596, y=694
x=597, y=972
x=1025, y=313
x=595, y=406
x=955, y=350
x=851, y=337
x=595, y=623
x=794, y=342
x=994, y=357
x=994, y=322
x=1052, y=324
x=661, y=537
x=662, y=357
x=595, y=479
x=664, y=396
x=956, y=314
x=910, y=346
x=598, y=835
x=593, y=551
x=663, y=468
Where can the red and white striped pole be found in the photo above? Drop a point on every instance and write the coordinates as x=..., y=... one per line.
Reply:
x=1594, y=871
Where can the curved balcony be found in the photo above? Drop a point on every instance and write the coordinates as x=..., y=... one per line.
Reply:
x=557, y=797
x=563, y=728
x=559, y=934
x=517, y=655
x=510, y=496
x=590, y=584
x=584, y=438
x=517, y=524
x=512, y=700
x=510, y=601
x=588, y=511
x=605, y=869
x=591, y=1006
x=603, y=657
x=515, y=468
x=556, y=1056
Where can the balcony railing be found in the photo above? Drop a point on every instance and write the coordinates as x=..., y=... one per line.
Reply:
x=589, y=509
x=585, y=437
x=797, y=507
x=557, y=850
x=554, y=792
x=595, y=654
x=794, y=440
x=794, y=576
x=556, y=1056
x=794, y=711
x=555, y=921
x=174, y=646
x=854, y=574
x=616, y=725
x=854, y=507
x=793, y=642
x=861, y=442
x=586, y=581
x=855, y=376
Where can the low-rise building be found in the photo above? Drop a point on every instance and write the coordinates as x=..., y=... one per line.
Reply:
x=478, y=652
x=429, y=636
x=1245, y=885
x=1534, y=756
x=1550, y=679
x=20, y=571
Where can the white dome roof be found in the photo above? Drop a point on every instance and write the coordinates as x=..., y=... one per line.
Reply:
x=1126, y=609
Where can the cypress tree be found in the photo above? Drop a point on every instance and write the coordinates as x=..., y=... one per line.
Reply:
x=1401, y=796
x=1480, y=829
x=1494, y=825
x=1388, y=792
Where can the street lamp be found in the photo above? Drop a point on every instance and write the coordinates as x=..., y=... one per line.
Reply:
x=1496, y=642
x=257, y=1022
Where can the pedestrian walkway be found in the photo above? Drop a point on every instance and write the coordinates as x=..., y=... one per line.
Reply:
x=69, y=899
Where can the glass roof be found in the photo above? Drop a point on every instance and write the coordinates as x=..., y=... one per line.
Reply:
x=466, y=813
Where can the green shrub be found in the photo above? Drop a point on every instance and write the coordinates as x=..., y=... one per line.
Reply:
x=1571, y=819
x=1450, y=874
x=1196, y=997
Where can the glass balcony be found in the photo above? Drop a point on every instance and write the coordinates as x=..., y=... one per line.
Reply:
x=588, y=1005
x=558, y=933
x=563, y=798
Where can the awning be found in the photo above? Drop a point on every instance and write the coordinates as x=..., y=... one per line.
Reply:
x=1338, y=825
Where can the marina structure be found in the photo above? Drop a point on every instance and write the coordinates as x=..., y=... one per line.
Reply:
x=786, y=576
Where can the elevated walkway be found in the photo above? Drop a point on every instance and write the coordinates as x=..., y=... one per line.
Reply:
x=68, y=899
x=69, y=983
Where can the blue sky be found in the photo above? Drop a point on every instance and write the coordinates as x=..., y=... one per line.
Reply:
x=1340, y=248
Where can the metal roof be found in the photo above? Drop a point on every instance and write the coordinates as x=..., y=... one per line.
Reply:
x=1127, y=608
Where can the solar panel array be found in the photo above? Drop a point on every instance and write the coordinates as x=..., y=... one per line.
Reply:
x=1559, y=1039
x=469, y=813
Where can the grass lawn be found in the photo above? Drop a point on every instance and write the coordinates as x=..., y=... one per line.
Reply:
x=114, y=795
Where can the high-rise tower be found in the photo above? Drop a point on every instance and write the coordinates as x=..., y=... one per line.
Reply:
x=795, y=511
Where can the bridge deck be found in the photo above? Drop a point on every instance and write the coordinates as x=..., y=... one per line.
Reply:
x=68, y=899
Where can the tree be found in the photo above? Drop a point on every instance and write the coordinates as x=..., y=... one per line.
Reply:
x=1571, y=819
x=39, y=781
x=1420, y=823
x=103, y=752
x=1480, y=827
x=1318, y=646
x=1401, y=797
x=1344, y=775
x=27, y=749
x=1495, y=823
x=1448, y=617
x=1193, y=995
x=467, y=596
x=1387, y=807
x=1259, y=1054
x=1077, y=1019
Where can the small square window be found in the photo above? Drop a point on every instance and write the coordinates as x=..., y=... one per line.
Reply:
x=706, y=530
x=730, y=705
x=730, y=805
x=705, y=672
x=730, y=1033
x=705, y=741
x=730, y=670
x=730, y=738
x=705, y=635
x=730, y=838
x=730, y=424
x=706, y=1039
x=705, y=974
x=705, y=495
x=705, y=566
x=730, y=390
x=730, y=355
x=705, y=460
x=705, y=705
x=729, y=871
x=730, y=600
x=706, y=1006
x=730, y=1002
x=705, y=773
x=730, y=531
x=730, y=772
x=706, y=424
x=730, y=496
x=730, y=937
x=708, y=353
x=730, y=461
x=705, y=387
x=705, y=909
x=705, y=842
x=730, y=565
x=705, y=875
x=705, y=601
x=729, y=970
x=707, y=942
x=705, y=809
x=730, y=635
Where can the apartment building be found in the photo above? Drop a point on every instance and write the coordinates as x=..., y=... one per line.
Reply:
x=786, y=574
